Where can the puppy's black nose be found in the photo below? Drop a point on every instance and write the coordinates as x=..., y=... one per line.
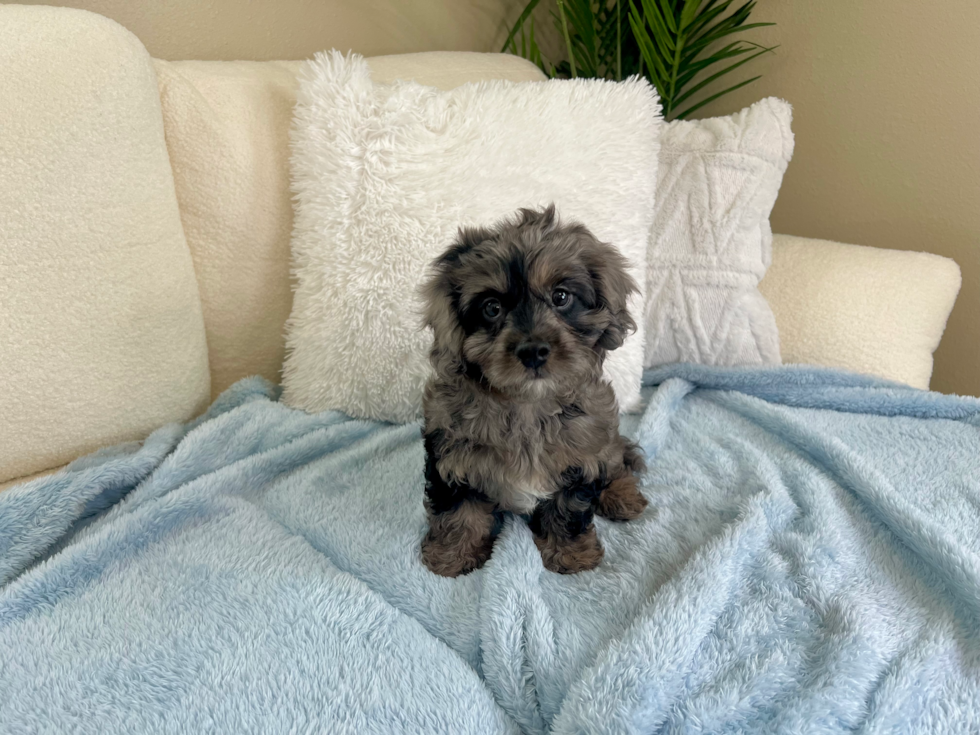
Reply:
x=533, y=354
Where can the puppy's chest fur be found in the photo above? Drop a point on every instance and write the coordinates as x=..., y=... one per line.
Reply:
x=529, y=460
x=516, y=453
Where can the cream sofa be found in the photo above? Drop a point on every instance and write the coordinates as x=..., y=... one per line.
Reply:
x=144, y=240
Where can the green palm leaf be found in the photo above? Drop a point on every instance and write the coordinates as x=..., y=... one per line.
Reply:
x=519, y=25
x=684, y=47
x=697, y=87
x=712, y=98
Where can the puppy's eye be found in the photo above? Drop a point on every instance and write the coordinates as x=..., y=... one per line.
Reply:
x=491, y=309
x=560, y=297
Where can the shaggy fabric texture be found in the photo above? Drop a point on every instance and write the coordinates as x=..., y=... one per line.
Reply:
x=711, y=241
x=810, y=562
x=384, y=175
x=227, y=126
x=869, y=310
x=101, y=335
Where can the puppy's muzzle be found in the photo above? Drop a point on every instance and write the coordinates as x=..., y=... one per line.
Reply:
x=533, y=354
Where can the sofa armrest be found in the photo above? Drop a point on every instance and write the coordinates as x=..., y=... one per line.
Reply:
x=865, y=309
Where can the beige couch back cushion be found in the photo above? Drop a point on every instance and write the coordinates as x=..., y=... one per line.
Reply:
x=101, y=334
x=227, y=127
x=868, y=310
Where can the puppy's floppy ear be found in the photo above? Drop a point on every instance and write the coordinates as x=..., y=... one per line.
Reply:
x=613, y=286
x=441, y=288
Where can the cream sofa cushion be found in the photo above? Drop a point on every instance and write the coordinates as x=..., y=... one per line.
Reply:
x=869, y=310
x=101, y=334
x=227, y=127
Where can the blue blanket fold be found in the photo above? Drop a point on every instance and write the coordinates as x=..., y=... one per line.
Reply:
x=810, y=562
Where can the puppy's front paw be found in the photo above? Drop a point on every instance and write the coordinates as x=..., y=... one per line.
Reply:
x=570, y=555
x=452, y=560
x=621, y=500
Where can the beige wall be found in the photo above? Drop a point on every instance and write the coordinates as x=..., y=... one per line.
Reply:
x=886, y=97
x=296, y=29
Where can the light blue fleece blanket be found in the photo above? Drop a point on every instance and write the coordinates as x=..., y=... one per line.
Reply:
x=809, y=562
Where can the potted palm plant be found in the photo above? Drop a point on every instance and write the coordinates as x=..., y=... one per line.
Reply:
x=686, y=48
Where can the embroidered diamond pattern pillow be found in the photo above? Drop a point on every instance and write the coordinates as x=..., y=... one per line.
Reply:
x=711, y=242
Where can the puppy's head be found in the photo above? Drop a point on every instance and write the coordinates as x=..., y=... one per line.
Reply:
x=528, y=307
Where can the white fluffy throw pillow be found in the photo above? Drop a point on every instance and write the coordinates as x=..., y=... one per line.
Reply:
x=383, y=177
x=711, y=242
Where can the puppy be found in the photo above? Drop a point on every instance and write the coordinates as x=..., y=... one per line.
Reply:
x=518, y=416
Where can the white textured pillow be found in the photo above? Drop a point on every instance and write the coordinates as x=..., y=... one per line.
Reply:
x=384, y=175
x=711, y=242
x=870, y=310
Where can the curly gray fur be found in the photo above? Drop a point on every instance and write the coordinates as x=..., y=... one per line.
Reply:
x=517, y=411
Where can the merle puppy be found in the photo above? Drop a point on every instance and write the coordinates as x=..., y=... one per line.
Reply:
x=518, y=416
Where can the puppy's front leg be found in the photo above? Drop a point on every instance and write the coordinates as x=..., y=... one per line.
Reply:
x=563, y=526
x=460, y=539
x=621, y=499
x=462, y=523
